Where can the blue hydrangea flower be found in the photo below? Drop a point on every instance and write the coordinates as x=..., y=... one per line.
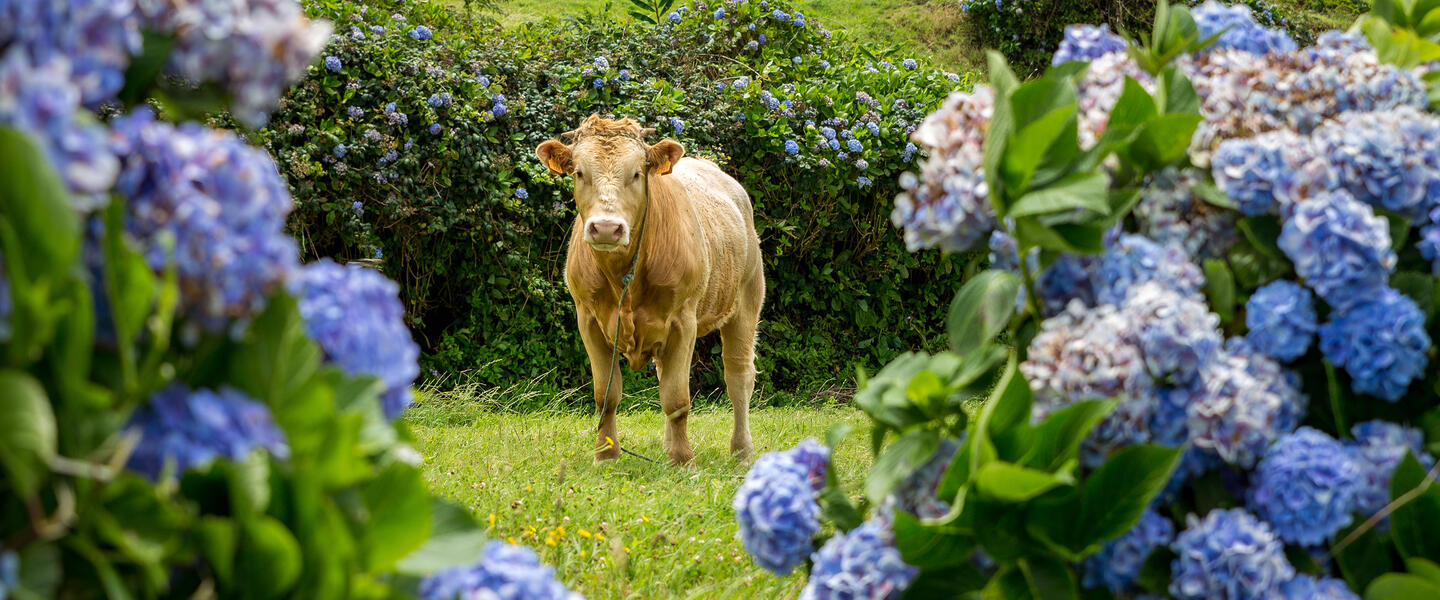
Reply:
x=1172, y=213
x=420, y=32
x=1340, y=248
x=863, y=181
x=94, y=37
x=357, y=206
x=434, y=101
x=1232, y=412
x=1117, y=564
x=674, y=17
x=42, y=100
x=916, y=494
x=834, y=144
x=390, y=107
x=377, y=30
x=1305, y=487
x=1087, y=42
x=861, y=563
x=482, y=81
x=333, y=64
x=842, y=156
x=719, y=13
x=780, y=15
x=791, y=147
x=194, y=428
x=1281, y=319
x=1176, y=333
x=498, y=110
x=862, y=164
x=1264, y=174
x=677, y=125
x=522, y=193
x=504, y=572
x=1229, y=555
x=339, y=150
x=874, y=129
x=1381, y=343
x=854, y=145
x=827, y=132
x=1306, y=587
x=776, y=508
x=435, y=129
x=408, y=143
x=355, y=314
x=1241, y=30
x=1133, y=259
x=1382, y=158
x=356, y=33
x=372, y=135
x=602, y=63
x=796, y=60
x=1377, y=450
x=909, y=64
x=390, y=156
x=799, y=20
x=355, y=112
x=220, y=201
x=1277, y=380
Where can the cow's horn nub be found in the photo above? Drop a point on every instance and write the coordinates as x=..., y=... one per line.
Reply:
x=646, y=132
x=570, y=135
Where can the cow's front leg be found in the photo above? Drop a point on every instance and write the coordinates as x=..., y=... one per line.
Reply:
x=674, y=374
x=607, y=441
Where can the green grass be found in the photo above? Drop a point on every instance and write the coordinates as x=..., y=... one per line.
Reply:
x=926, y=29
x=626, y=528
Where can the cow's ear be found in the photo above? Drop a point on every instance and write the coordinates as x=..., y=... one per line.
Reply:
x=555, y=155
x=664, y=155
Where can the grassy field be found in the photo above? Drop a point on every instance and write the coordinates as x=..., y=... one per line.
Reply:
x=627, y=528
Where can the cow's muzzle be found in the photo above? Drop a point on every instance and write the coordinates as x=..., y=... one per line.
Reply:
x=606, y=234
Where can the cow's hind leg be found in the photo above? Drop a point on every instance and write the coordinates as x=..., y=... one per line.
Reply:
x=738, y=340
x=674, y=372
x=607, y=441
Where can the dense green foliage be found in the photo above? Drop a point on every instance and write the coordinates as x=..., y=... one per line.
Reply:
x=480, y=261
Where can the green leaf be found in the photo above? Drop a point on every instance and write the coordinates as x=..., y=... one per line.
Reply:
x=982, y=309
x=836, y=507
x=28, y=439
x=1180, y=96
x=34, y=200
x=399, y=506
x=1002, y=121
x=885, y=396
x=1400, y=586
x=1253, y=269
x=1073, y=239
x=40, y=572
x=1414, y=523
x=1032, y=143
x=218, y=540
x=902, y=458
x=1419, y=287
x=1056, y=440
x=1365, y=559
x=1008, y=583
x=931, y=546
x=1087, y=191
x=455, y=539
x=1220, y=289
x=1424, y=569
x=276, y=359
x=1052, y=520
x=1164, y=140
x=1155, y=571
x=268, y=559
x=1048, y=578
x=1117, y=493
x=953, y=582
x=1133, y=108
x=836, y=434
x=1013, y=483
x=1009, y=404
x=145, y=69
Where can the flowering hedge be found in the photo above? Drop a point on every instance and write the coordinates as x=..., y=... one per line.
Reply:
x=418, y=149
x=1213, y=260
x=190, y=411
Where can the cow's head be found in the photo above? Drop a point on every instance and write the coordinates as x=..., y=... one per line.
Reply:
x=611, y=164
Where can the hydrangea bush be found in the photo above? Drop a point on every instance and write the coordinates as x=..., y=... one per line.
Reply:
x=188, y=410
x=1201, y=363
x=421, y=135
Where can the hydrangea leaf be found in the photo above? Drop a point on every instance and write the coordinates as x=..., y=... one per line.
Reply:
x=1117, y=492
x=931, y=546
x=1164, y=140
x=1414, y=522
x=1049, y=578
x=1087, y=191
x=1419, y=287
x=908, y=453
x=884, y=396
x=276, y=360
x=1364, y=559
x=268, y=559
x=218, y=539
x=1401, y=586
x=1133, y=108
x=33, y=199
x=1056, y=440
x=1179, y=94
x=1033, y=143
x=1220, y=289
x=981, y=310
x=455, y=539
x=400, y=516
x=129, y=283
x=957, y=581
x=1007, y=584
x=1423, y=568
x=1013, y=483
x=28, y=439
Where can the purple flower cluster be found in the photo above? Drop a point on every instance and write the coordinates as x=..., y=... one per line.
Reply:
x=1173, y=215
x=1377, y=450
x=1229, y=555
x=1281, y=319
x=948, y=204
x=220, y=202
x=860, y=563
x=355, y=314
x=1307, y=587
x=192, y=428
x=1340, y=248
x=1305, y=487
x=1132, y=260
x=1387, y=159
x=96, y=38
x=1380, y=342
x=1087, y=42
x=776, y=507
x=504, y=572
x=1117, y=564
x=1241, y=32
x=1268, y=173
x=253, y=49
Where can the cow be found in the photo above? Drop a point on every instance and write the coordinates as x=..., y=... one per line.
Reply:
x=688, y=229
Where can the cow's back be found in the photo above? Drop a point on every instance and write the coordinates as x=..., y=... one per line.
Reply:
x=727, y=240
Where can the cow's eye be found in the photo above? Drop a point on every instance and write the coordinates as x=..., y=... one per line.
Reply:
x=636, y=177
x=579, y=174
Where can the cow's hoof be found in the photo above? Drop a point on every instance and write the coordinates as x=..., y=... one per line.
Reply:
x=740, y=452
x=681, y=456
x=607, y=455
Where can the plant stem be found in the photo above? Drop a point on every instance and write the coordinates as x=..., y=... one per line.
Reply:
x=1334, y=389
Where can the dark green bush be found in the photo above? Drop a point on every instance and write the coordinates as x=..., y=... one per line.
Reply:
x=479, y=260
